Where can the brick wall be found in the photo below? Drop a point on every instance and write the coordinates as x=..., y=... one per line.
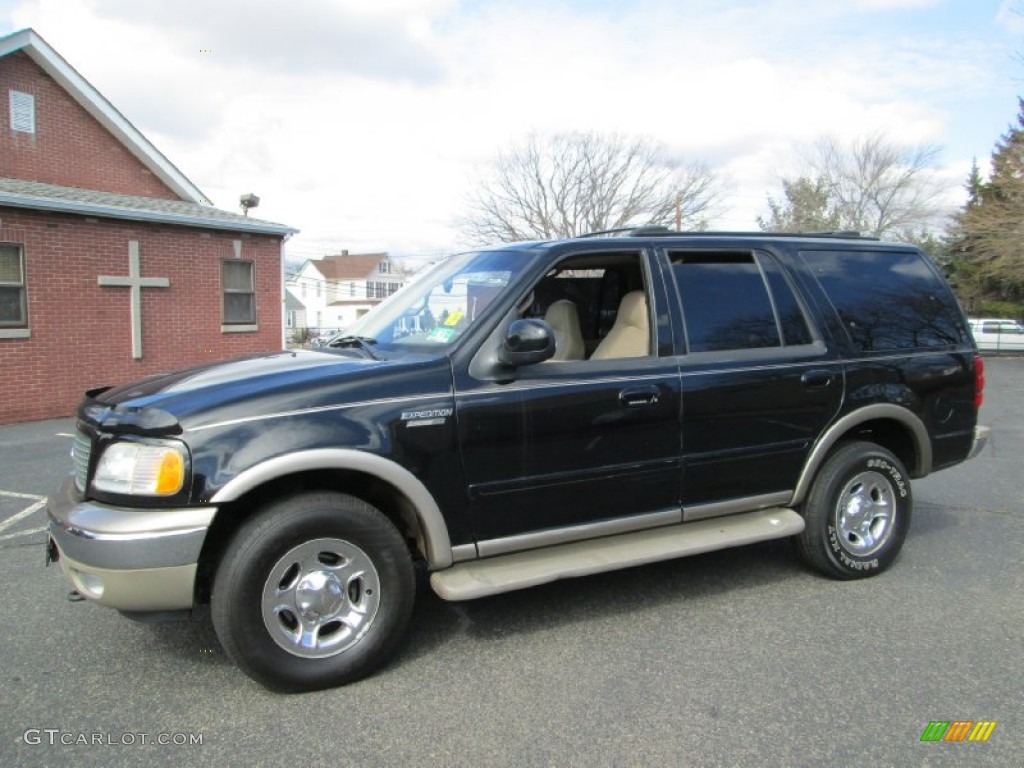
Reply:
x=81, y=331
x=69, y=146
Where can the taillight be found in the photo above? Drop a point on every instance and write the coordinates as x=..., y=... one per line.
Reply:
x=979, y=381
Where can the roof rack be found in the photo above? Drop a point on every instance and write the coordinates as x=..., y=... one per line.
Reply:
x=661, y=231
x=644, y=230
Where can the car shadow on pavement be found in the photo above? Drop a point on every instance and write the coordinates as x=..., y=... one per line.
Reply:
x=929, y=519
x=590, y=598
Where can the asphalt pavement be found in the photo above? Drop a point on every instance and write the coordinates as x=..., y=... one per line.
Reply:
x=742, y=657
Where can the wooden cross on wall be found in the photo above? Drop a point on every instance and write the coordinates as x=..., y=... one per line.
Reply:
x=136, y=282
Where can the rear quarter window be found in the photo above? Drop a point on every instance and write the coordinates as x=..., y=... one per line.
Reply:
x=888, y=300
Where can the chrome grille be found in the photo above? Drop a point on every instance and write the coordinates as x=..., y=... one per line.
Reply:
x=81, y=449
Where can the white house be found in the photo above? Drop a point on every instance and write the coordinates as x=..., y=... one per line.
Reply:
x=338, y=290
x=295, y=314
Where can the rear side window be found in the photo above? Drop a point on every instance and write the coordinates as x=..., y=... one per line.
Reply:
x=888, y=300
x=735, y=301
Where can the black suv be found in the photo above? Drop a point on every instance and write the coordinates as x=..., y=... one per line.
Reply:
x=522, y=414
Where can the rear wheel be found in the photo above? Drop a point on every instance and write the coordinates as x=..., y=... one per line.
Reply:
x=314, y=591
x=857, y=512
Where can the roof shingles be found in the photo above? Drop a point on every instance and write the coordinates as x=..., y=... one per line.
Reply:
x=20, y=193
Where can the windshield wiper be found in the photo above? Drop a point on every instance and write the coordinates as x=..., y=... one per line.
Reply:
x=362, y=342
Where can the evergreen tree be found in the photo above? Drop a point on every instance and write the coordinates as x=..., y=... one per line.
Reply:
x=987, y=235
x=805, y=207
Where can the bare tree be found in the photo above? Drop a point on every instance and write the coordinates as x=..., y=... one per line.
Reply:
x=568, y=184
x=878, y=187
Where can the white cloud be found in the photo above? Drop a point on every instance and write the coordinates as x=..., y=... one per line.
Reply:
x=382, y=40
x=1011, y=16
x=361, y=123
x=895, y=5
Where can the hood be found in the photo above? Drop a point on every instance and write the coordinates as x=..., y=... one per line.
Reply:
x=170, y=403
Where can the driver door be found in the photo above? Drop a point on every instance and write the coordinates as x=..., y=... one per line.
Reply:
x=576, y=448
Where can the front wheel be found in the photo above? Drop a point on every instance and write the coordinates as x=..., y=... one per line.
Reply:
x=314, y=591
x=857, y=513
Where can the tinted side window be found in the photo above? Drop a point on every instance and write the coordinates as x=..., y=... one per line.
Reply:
x=725, y=302
x=887, y=300
x=791, y=317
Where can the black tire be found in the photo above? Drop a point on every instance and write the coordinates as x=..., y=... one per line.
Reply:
x=857, y=513
x=314, y=591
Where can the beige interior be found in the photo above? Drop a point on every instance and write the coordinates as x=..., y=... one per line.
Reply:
x=630, y=335
x=564, y=320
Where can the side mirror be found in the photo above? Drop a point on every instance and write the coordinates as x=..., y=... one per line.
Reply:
x=526, y=342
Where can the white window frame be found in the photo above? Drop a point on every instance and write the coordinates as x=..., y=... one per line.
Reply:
x=17, y=329
x=237, y=326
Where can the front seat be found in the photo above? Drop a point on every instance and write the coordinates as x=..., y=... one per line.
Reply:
x=565, y=322
x=630, y=336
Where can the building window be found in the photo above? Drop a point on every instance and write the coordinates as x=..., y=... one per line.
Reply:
x=239, y=295
x=23, y=112
x=13, y=312
x=384, y=267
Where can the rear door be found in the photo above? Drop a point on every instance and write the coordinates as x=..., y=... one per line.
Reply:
x=758, y=384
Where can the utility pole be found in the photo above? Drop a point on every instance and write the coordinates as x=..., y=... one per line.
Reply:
x=679, y=211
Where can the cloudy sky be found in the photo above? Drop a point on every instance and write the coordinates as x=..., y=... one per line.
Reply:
x=363, y=123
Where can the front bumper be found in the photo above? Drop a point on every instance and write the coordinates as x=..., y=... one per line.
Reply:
x=981, y=435
x=130, y=559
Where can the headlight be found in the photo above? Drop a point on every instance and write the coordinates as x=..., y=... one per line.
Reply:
x=144, y=469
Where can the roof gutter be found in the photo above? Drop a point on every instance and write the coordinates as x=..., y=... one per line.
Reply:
x=138, y=214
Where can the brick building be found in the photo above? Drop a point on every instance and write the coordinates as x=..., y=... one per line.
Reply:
x=113, y=265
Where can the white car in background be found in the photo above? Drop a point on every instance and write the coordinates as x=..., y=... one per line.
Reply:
x=997, y=334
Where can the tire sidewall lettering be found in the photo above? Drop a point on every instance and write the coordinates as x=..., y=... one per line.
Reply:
x=893, y=473
x=822, y=542
x=852, y=562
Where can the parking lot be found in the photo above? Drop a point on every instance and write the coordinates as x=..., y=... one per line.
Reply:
x=742, y=657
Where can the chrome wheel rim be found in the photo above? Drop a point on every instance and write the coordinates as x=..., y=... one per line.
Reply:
x=320, y=598
x=865, y=513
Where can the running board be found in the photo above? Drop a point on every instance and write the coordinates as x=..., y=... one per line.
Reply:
x=493, y=575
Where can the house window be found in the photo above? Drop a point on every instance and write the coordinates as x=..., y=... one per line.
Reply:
x=23, y=112
x=13, y=312
x=384, y=267
x=239, y=295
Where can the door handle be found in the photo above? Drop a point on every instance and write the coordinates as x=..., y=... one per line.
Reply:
x=639, y=396
x=817, y=379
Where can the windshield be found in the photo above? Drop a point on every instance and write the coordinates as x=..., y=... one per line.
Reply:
x=440, y=304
